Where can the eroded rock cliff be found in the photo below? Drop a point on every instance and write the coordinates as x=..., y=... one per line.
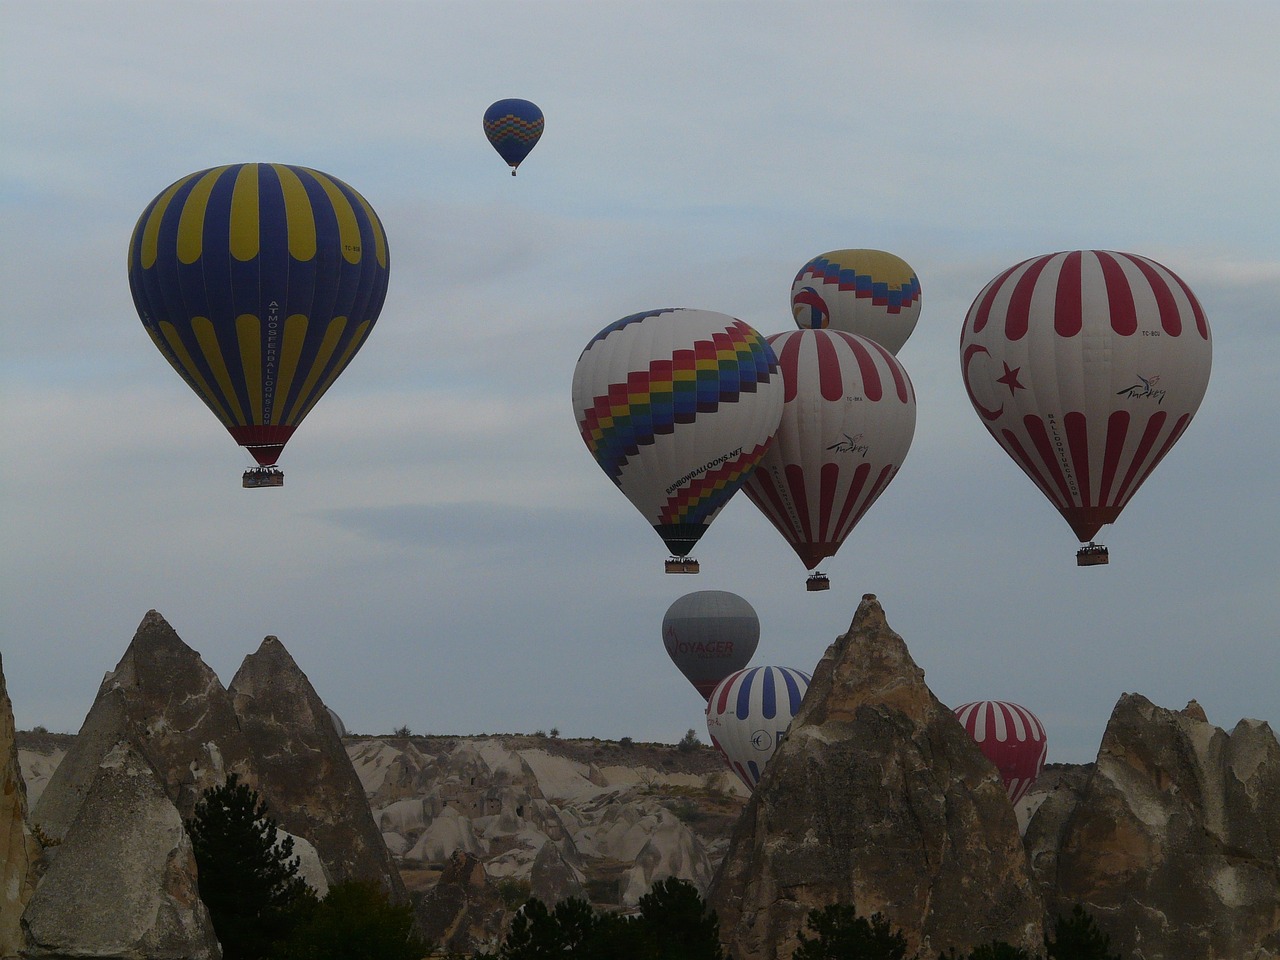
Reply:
x=877, y=798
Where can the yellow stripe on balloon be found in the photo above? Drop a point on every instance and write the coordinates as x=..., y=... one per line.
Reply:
x=191, y=224
x=379, y=235
x=295, y=333
x=249, y=333
x=208, y=340
x=300, y=218
x=330, y=343
x=348, y=225
x=151, y=232
x=183, y=363
x=244, y=229
x=352, y=347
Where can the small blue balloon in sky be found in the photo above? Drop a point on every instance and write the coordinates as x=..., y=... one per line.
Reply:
x=513, y=127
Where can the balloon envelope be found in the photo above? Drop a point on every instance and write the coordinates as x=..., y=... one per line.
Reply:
x=677, y=406
x=847, y=423
x=1011, y=737
x=709, y=634
x=259, y=282
x=870, y=293
x=748, y=715
x=1086, y=367
x=513, y=127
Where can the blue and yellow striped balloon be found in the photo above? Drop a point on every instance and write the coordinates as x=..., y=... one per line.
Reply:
x=259, y=282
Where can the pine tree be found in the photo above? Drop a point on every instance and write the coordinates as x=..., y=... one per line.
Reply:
x=355, y=921
x=1078, y=938
x=678, y=923
x=248, y=875
x=843, y=935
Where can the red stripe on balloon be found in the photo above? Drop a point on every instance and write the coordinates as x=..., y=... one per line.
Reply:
x=900, y=382
x=1153, y=428
x=856, y=483
x=1170, y=315
x=1124, y=313
x=830, y=384
x=1202, y=324
x=1117, y=431
x=788, y=362
x=983, y=312
x=871, y=385
x=882, y=481
x=1039, y=435
x=1180, y=426
x=795, y=486
x=1077, y=429
x=1068, y=312
x=1018, y=317
x=1013, y=446
x=828, y=480
x=762, y=491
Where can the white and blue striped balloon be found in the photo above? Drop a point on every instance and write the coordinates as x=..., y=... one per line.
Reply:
x=748, y=714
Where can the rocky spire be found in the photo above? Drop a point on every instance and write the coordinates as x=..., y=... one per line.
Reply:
x=124, y=881
x=1174, y=840
x=304, y=773
x=879, y=799
x=170, y=705
x=19, y=851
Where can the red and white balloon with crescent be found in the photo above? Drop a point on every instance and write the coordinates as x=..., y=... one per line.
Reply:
x=848, y=417
x=1086, y=366
x=1011, y=737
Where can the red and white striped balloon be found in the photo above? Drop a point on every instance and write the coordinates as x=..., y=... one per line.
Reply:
x=848, y=416
x=1011, y=737
x=1086, y=367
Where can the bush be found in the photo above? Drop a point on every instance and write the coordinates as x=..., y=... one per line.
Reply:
x=689, y=742
x=356, y=921
x=1078, y=938
x=843, y=935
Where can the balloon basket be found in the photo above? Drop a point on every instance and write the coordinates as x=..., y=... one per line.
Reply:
x=263, y=477
x=1092, y=555
x=817, y=581
x=682, y=565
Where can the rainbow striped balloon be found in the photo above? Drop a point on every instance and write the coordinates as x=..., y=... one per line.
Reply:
x=677, y=407
x=869, y=293
x=1011, y=737
x=748, y=714
x=259, y=282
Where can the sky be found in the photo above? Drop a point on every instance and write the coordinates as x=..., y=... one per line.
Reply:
x=445, y=554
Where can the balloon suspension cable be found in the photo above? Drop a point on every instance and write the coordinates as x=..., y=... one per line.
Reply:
x=1092, y=555
x=268, y=476
x=682, y=565
x=817, y=581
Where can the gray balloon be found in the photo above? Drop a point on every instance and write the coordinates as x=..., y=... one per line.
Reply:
x=708, y=635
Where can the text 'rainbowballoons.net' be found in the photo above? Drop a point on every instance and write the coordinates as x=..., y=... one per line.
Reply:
x=1086, y=367
x=677, y=406
x=748, y=715
x=259, y=282
x=1011, y=737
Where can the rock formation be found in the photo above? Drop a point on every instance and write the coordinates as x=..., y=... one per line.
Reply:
x=1174, y=842
x=162, y=698
x=879, y=799
x=464, y=912
x=124, y=882
x=303, y=771
x=19, y=851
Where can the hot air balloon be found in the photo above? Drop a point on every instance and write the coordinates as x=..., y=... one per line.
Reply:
x=513, y=127
x=748, y=714
x=1086, y=366
x=846, y=427
x=259, y=282
x=677, y=406
x=870, y=293
x=708, y=635
x=1011, y=737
